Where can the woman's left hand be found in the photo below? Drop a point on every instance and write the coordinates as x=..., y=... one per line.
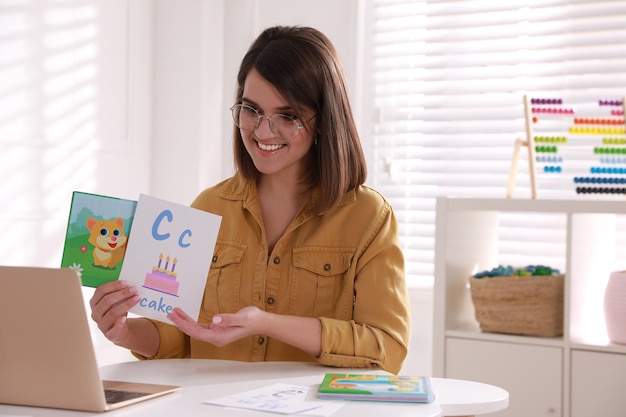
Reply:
x=225, y=328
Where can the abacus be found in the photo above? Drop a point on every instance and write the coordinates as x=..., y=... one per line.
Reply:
x=558, y=134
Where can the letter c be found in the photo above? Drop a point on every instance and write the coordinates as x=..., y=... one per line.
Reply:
x=181, y=242
x=157, y=222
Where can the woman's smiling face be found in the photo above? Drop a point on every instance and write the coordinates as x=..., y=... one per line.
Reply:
x=272, y=155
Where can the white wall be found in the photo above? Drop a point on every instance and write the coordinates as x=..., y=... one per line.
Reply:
x=187, y=95
x=75, y=99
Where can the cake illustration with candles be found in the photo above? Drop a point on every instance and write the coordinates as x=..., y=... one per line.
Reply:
x=163, y=277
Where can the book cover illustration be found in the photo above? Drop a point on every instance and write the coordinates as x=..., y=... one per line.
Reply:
x=370, y=387
x=97, y=233
x=169, y=256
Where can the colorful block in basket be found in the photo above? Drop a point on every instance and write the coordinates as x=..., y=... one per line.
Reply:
x=509, y=271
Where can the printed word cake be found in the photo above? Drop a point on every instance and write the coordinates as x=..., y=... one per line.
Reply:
x=161, y=279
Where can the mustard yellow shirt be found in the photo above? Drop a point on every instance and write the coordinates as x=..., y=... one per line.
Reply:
x=344, y=267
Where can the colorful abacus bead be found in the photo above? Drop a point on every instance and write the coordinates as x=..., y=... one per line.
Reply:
x=600, y=190
x=610, y=102
x=542, y=101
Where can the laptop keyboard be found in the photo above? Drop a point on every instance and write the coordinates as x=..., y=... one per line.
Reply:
x=115, y=396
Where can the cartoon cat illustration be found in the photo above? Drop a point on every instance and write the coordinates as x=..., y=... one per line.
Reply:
x=109, y=240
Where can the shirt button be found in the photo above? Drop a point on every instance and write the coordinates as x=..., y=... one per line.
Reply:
x=326, y=267
x=276, y=260
x=270, y=300
x=261, y=340
x=214, y=259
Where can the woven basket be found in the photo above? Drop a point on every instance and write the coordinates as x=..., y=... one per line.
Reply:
x=531, y=305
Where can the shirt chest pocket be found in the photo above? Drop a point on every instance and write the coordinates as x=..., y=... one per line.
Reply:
x=321, y=284
x=223, y=284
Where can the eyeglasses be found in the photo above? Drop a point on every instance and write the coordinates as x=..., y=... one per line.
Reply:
x=283, y=126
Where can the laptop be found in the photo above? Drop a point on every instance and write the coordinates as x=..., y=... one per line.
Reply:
x=47, y=357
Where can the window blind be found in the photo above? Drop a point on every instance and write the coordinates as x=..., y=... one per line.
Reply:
x=448, y=81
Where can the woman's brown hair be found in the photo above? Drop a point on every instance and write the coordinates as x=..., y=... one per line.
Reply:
x=303, y=65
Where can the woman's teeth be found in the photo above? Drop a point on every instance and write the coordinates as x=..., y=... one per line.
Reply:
x=269, y=147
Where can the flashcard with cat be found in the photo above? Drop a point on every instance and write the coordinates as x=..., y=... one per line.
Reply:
x=97, y=234
x=169, y=256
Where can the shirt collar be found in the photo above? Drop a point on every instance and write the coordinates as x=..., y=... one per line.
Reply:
x=245, y=190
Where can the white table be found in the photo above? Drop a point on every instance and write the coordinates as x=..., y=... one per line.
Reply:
x=203, y=379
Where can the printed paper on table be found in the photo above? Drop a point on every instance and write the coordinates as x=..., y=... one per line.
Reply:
x=281, y=398
x=97, y=233
x=169, y=256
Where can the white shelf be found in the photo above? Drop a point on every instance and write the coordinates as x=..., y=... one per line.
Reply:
x=506, y=338
x=466, y=241
x=608, y=347
x=611, y=205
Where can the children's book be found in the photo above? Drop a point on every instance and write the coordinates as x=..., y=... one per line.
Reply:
x=168, y=256
x=97, y=233
x=369, y=387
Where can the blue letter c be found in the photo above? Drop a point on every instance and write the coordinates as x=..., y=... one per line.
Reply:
x=155, y=226
x=182, y=235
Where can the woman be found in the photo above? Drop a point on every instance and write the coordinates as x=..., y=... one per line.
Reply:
x=307, y=265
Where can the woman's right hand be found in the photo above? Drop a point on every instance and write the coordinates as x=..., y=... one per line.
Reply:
x=109, y=307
